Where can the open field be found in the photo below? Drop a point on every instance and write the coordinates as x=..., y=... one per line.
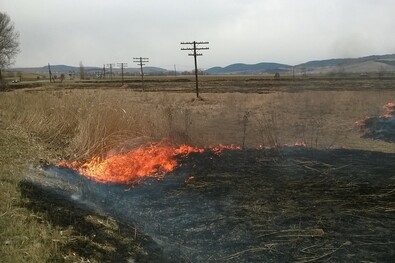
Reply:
x=75, y=121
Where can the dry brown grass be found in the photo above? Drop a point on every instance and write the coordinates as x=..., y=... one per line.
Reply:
x=96, y=122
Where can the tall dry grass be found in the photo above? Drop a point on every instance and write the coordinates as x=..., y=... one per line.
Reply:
x=83, y=123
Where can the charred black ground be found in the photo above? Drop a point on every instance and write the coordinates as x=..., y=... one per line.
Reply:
x=381, y=128
x=290, y=204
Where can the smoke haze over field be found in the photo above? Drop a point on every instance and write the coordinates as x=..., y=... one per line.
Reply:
x=250, y=31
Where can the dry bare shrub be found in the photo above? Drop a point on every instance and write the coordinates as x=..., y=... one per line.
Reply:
x=267, y=128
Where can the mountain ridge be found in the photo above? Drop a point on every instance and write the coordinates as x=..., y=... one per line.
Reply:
x=366, y=64
x=372, y=63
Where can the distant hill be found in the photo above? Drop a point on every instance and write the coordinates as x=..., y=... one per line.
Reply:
x=67, y=69
x=240, y=68
x=387, y=59
x=368, y=64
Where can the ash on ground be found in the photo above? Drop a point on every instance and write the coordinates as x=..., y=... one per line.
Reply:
x=382, y=127
x=284, y=205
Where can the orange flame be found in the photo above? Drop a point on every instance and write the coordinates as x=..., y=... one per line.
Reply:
x=361, y=122
x=390, y=106
x=219, y=148
x=390, y=110
x=149, y=160
x=390, y=113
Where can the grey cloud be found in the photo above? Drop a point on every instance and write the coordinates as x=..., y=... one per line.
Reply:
x=251, y=31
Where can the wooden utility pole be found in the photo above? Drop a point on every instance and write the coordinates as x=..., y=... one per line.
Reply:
x=104, y=71
x=122, y=65
x=194, y=48
x=293, y=73
x=110, y=65
x=140, y=61
x=50, y=74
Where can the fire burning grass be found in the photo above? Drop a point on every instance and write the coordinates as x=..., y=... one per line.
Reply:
x=153, y=160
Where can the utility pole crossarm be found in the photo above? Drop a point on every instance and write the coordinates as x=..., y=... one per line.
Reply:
x=194, y=48
x=140, y=61
x=195, y=42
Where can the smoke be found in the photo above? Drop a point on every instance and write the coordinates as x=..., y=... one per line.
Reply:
x=350, y=46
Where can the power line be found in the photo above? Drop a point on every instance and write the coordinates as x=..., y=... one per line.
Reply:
x=140, y=61
x=194, y=48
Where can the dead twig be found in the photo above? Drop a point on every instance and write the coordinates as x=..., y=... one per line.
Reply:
x=250, y=250
x=381, y=195
x=307, y=248
x=306, y=260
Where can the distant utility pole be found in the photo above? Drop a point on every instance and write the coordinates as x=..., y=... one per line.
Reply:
x=50, y=74
x=293, y=73
x=140, y=61
x=104, y=71
x=195, y=54
x=122, y=65
x=110, y=65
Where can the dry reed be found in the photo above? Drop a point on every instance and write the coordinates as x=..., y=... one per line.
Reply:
x=83, y=123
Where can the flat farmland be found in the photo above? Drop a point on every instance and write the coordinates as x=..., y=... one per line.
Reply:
x=245, y=111
x=302, y=132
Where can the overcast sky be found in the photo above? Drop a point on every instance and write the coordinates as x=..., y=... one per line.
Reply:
x=247, y=31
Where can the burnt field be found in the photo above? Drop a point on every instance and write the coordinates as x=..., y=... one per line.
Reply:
x=283, y=205
x=312, y=178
